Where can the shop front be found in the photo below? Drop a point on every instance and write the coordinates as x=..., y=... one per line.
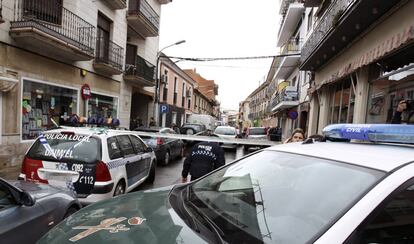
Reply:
x=45, y=104
x=103, y=106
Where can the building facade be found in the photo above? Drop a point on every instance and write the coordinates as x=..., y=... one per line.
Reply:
x=176, y=94
x=360, y=56
x=258, y=102
x=59, y=58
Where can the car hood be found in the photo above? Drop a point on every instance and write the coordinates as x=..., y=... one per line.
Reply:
x=140, y=217
x=38, y=191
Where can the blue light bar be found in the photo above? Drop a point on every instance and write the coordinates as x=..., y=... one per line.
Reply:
x=371, y=132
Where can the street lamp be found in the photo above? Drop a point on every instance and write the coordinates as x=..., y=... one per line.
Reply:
x=157, y=82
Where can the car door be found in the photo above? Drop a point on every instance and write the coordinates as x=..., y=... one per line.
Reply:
x=20, y=224
x=145, y=156
x=391, y=222
x=132, y=159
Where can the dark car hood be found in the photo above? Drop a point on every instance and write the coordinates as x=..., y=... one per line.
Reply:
x=161, y=224
x=38, y=191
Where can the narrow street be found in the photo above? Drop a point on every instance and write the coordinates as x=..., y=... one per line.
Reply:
x=171, y=174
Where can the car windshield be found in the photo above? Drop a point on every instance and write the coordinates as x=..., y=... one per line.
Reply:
x=67, y=147
x=257, y=131
x=225, y=131
x=276, y=197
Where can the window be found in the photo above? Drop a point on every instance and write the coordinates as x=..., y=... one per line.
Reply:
x=6, y=198
x=138, y=145
x=342, y=102
x=102, y=106
x=102, y=40
x=385, y=94
x=41, y=103
x=391, y=223
x=183, y=96
x=113, y=148
x=125, y=145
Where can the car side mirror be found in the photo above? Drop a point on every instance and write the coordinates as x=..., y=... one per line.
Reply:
x=26, y=199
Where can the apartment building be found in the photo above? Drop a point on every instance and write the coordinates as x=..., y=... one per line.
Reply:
x=205, y=94
x=176, y=93
x=289, y=103
x=360, y=57
x=59, y=58
x=258, y=102
x=244, y=111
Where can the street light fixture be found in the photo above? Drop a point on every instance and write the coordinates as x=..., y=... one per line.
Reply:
x=157, y=82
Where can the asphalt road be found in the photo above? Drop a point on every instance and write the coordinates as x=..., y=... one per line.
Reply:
x=171, y=173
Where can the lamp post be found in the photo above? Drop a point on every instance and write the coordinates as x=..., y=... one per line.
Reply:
x=157, y=83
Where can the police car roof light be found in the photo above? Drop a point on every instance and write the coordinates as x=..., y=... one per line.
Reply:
x=392, y=133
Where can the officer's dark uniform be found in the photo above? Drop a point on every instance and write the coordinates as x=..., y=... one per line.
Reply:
x=204, y=158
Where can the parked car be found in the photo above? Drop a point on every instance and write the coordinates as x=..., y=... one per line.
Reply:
x=166, y=149
x=313, y=192
x=28, y=210
x=192, y=128
x=108, y=162
x=227, y=132
x=255, y=133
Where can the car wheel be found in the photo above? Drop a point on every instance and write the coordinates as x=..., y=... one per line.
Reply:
x=119, y=189
x=151, y=176
x=70, y=211
x=167, y=157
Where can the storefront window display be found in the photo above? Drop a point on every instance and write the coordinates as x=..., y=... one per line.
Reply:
x=43, y=102
x=341, y=108
x=101, y=106
x=385, y=94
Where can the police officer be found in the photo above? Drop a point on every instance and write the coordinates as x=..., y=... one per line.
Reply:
x=204, y=158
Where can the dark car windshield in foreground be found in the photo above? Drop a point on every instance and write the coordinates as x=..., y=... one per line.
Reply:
x=257, y=131
x=225, y=131
x=65, y=147
x=276, y=197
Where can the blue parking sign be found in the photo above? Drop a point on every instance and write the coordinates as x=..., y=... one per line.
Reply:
x=164, y=108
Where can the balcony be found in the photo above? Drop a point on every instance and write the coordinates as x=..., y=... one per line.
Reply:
x=116, y=4
x=341, y=23
x=141, y=73
x=292, y=13
x=142, y=19
x=286, y=65
x=47, y=28
x=286, y=98
x=109, y=57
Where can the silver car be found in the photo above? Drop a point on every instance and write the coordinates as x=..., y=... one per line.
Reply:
x=29, y=210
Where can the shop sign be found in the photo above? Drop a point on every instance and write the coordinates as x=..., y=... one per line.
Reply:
x=86, y=92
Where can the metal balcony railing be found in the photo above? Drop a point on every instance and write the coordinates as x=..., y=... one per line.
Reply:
x=285, y=95
x=291, y=46
x=142, y=7
x=141, y=69
x=109, y=53
x=52, y=18
x=326, y=23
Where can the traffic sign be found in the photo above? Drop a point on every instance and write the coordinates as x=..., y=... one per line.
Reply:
x=164, y=108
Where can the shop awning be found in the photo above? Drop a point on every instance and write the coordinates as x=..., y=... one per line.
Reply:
x=391, y=45
x=7, y=83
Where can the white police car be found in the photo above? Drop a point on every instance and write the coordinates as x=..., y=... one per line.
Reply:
x=311, y=192
x=96, y=163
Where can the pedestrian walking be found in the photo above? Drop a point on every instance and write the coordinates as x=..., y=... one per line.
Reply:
x=297, y=136
x=203, y=158
x=175, y=128
x=152, y=122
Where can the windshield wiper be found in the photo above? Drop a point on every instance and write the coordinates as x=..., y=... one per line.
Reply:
x=219, y=233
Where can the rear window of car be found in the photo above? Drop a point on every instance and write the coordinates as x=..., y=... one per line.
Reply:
x=66, y=147
x=225, y=131
x=257, y=131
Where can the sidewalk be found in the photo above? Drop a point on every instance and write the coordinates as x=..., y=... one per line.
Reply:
x=10, y=173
